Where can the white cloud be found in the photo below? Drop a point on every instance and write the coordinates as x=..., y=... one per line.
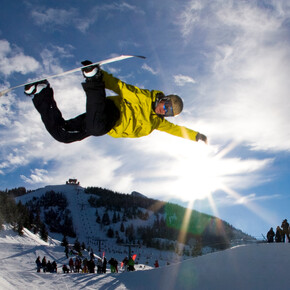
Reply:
x=14, y=60
x=60, y=18
x=243, y=92
x=52, y=16
x=150, y=69
x=120, y=7
x=254, y=197
x=37, y=176
x=181, y=80
x=190, y=15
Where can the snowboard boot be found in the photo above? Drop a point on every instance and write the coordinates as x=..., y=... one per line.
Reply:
x=92, y=73
x=35, y=88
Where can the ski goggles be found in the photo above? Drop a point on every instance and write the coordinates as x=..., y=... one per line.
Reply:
x=167, y=106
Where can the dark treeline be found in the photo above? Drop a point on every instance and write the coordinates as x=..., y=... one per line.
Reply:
x=203, y=229
x=18, y=215
x=56, y=214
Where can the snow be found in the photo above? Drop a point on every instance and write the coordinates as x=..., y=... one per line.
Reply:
x=255, y=266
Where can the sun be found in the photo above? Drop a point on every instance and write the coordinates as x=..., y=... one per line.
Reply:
x=199, y=172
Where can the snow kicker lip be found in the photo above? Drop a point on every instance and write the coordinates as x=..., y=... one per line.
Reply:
x=102, y=62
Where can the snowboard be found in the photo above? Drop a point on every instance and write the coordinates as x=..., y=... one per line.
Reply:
x=102, y=62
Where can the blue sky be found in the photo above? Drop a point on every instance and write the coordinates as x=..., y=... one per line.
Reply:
x=228, y=60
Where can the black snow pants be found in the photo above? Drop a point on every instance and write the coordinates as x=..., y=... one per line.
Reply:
x=100, y=117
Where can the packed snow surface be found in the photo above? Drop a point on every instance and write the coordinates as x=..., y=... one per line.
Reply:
x=255, y=266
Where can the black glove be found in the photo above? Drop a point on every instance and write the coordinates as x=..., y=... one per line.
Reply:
x=201, y=137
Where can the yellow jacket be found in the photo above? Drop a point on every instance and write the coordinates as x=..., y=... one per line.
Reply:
x=137, y=117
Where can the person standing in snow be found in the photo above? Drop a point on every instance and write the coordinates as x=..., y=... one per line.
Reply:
x=99, y=266
x=43, y=264
x=133, y=113
x=114, y=265
x=38, y=264
x=65, y=269
x=270, y=236
x=285, y=233
x=131, y=264
x=91, y=266
x=49, y=267
x=104, y=267
x=71, y=265
x=278, y=235
x=54, y=267
x=85, y=265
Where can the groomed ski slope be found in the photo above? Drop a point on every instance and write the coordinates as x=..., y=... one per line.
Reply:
x=256, y=266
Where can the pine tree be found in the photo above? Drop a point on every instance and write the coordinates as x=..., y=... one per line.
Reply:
x=122, y=228
x=77, y=246
x=43, y=232
x=64, y=242
x=106, y=219
x=114, y=220
x=110, y=233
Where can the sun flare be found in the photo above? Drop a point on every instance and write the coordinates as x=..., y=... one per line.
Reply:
x=198, y=174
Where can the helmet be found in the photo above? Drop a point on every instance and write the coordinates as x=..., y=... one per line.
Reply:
x=177, y=104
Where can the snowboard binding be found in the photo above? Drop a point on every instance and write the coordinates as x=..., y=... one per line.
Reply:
x=91, y=73
x=35, y=88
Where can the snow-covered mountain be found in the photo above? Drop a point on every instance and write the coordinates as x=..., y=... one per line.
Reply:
x=256, y=266
x=78, y=207
x=86, y=213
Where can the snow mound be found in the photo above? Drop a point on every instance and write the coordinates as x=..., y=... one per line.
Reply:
x=256, y=266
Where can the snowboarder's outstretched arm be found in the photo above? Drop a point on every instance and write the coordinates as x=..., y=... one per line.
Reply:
x=181, y=131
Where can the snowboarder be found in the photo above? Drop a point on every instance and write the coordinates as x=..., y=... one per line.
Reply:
x=133, y=113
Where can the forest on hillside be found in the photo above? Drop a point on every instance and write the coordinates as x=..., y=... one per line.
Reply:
x=201, y=229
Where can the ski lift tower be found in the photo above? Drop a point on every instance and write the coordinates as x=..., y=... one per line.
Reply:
x=129, y=247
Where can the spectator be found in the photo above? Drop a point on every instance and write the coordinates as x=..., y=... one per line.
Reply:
x=65, y=269
x=49, y=267
x=270, y=236
x=54, y=267
x=104, y=269
x=114, y=265
x=99, y=266
x=285, y=227
x=91, y=266
x=77, y=265
x=278, y=235
x=125, y=262
x=38, y=264
x=43, y=263
x=131, y=264
x=85, y=265
x=71, y=265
